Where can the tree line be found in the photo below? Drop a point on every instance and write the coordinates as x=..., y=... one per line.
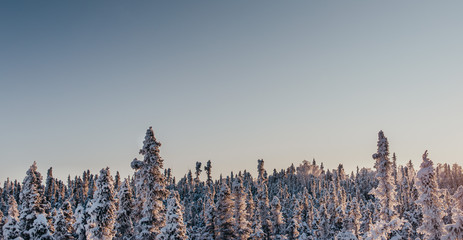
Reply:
x=304, y=202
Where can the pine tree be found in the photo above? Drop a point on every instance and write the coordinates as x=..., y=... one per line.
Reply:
x=432, y=227
x=64, y=223
x=455, y=229
x=385, y=194
x=124, y=225
x=40, y=228
x=32, y=206
x=103, y=210
x=11, y=230
x=258, y=233
x=80, y=224
x=242, y=225
x=151, y=190
x=225, y=219
x=2, y=222
x=210, y=229
x=174, y=229
x=50, y=187
x=262, y=200
x=61, y=230
x=277, y=219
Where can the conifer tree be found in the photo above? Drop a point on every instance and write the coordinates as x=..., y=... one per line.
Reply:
x=263, y=201
x=11, y=230
x=455, y=229
x=40, y=228
x=242, y=225
x=64, y=222
x=62, y=232
x=432, y=227
x=258, y=233
x=277, y=219
x=174, y=229
x=225, y=219
x=210, y=229
x=124, y=225
x=151, y=192
x=80, y=224
x=103, y=210
x=2, y=223
x=32, y=206
x=50, y=187
x=385, y=194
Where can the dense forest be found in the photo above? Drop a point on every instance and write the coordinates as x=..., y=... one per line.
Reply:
x=301, y=202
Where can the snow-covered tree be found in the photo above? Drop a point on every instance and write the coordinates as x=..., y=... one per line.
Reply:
x=103, y=210
x=385, y=194
x=174, y=228
x=124, y=225
x=210, y=229
x=225, y=219
x=242, y=225
x=11, y=230
x=40, y=228
x=150, y=188
x=62, y=232
x=277, y=219
x=64, y=222
x=31, y=198
x=80, y=225
x=432, y=227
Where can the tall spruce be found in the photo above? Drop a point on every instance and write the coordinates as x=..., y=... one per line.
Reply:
x=32, y=207
x=225, y=219
x=150, y=188
x=385, y=194
x=432, y=226
x=103, y=210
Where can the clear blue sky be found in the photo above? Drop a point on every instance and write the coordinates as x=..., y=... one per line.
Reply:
x=229, y=81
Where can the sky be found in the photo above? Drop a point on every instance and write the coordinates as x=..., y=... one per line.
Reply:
x=227, y=81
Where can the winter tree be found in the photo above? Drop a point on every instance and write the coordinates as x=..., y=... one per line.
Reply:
x=150, y=188
x=174, y=229
x=225, y=219
x=385, y=194
x=124, y=225
x=32, y=208
x=242, y=225
x=103, y=210
x=432, y=227
x=11, y=230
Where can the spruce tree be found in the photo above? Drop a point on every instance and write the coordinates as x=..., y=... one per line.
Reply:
x=151, y=192
x=225, y=219
x=32, y=206
x=64, y=222
x=11, y=230
x=455, y=229
x=277, y=219
x=385, y=194
x=242, y=225
x=124, y=225
x=174, y=229
x=80, y=224
x=103, y=210
x=432, y=226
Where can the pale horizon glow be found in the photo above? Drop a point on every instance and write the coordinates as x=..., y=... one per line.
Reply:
x=230, y=82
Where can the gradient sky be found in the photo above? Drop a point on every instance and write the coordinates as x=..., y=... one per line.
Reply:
x=229, y=81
